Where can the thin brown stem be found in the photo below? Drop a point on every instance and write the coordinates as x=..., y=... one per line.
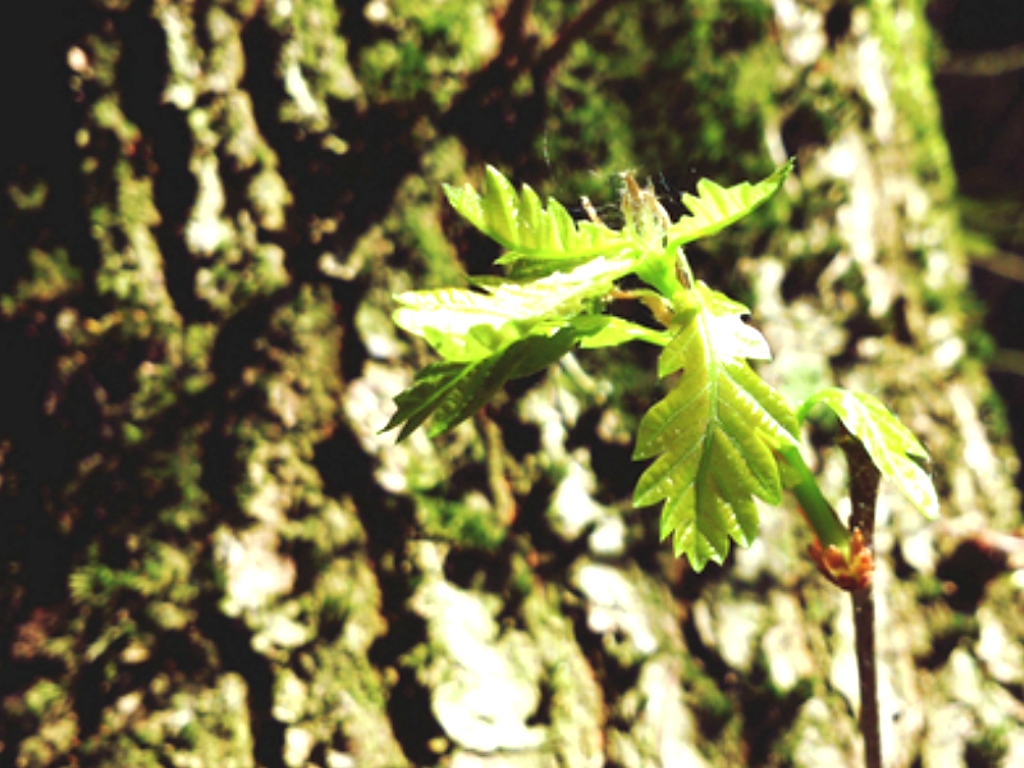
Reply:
x=567, y=35
x=660, y=308
x=870, y=723
x=513, y=25
x=864, y=479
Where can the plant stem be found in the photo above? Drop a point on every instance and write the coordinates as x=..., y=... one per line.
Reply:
x=864, y=478
x=819, y=513
x=864, y=629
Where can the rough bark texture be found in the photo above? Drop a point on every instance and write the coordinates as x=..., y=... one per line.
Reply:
x=210, y=556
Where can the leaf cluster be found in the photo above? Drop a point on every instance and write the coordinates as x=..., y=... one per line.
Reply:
x=721, y=437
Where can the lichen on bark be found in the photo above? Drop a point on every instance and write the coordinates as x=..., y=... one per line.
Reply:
x=212, y=557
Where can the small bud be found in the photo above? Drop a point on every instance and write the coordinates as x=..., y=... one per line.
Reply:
x=851, y=572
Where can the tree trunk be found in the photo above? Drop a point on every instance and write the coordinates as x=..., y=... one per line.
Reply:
x=213, y=558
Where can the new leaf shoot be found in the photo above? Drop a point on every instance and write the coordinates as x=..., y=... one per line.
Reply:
x=722, y=437
x=715, y=434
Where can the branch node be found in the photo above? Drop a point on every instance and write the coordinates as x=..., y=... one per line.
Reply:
x=851, y=572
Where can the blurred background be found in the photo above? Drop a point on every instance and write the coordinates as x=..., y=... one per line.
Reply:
x=979, y=81
x=209, y=554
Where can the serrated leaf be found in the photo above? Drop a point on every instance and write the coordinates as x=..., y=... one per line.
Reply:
x=465, y=325
x=716, y=207
x=733, y=338
x=538, y=240
x=452, y=391
x=714, y=435
x=887, y=441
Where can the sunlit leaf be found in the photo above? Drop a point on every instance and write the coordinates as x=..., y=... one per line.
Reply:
x=892, y=447
x=611, y=331
x=538, y=240
x=716, y=207
x=452, y=391
x=465, y=324
x=732, y=336
x=714, y=434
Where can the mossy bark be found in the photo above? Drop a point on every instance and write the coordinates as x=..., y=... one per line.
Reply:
x=211, y=557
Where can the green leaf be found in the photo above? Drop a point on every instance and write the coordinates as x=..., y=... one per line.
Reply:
x=733, y=338
x=452, y=391
x=465, y=325
x=611, y=331
x=538, y=240
x=714, y=434
x=891, y=446
x=716, y=207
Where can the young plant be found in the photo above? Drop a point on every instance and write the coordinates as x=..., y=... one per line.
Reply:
x=722, y=436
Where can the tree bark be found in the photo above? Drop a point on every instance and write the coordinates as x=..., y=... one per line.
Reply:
x=212, y=557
